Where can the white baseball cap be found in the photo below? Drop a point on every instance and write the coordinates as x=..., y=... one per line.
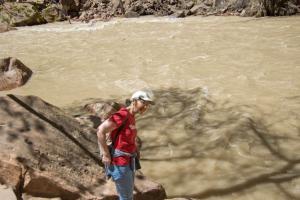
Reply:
x=142, y=95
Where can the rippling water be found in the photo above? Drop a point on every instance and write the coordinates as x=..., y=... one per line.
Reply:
x=226, y=124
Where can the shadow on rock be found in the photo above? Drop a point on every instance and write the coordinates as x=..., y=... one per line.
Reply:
x=52, y=154
x=13, y=73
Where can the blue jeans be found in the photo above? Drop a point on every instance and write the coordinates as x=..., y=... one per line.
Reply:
x=123, y=177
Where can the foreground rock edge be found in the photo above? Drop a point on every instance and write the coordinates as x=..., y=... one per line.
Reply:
x=37, y=171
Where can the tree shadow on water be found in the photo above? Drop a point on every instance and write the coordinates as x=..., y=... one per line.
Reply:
x=191, y=122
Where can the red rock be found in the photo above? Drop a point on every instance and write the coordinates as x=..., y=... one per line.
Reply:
x=61, y=160
x=10, y=174
x=13, y=73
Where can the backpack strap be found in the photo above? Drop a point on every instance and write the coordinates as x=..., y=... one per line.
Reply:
x=119, y=131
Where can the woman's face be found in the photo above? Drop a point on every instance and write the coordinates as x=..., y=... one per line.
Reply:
x=141, y=106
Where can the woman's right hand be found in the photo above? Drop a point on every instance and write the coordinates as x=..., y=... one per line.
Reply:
x=106, y=127
x=106, y=159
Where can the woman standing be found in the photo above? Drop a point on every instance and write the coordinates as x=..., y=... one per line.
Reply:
x=120, y=161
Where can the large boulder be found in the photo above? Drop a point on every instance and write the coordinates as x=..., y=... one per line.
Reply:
x=53, y=13
x=49, y=154
x=20, y=14
x=13, y=73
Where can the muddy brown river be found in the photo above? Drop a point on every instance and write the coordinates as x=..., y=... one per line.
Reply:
x=226, y=124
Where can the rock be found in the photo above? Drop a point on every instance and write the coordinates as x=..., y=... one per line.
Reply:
x=241, y=4
x=118, y=8
x=103, y=109
x=10, y=174
x=86, y=5
x=131, y=14
x=179, y=13
x=258, y=11
x=252, y=10
x=29, y=197
x=187, y=13
x=70, y=7
x=292, y=8
x=20, y=14
x=105, y=9
x=148, y=190
x=7, y=193
x=48, y=185
x=173, y=2
x=83, y=16
x=181, y=199
x=89, y=121
x=282, y=12
x=195, y=8
x=189, y=5
x=53, y=13
x=208, y=3
x=93, y=114
x=138, y=8
x=219, y=3
x=198, y=9
x=13, y=73
x=243, y=13
x=5, y=28
x=144, y=189
x=224, y=10
x=59, y=158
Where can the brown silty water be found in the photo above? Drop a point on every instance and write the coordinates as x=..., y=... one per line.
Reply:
x=226, y=122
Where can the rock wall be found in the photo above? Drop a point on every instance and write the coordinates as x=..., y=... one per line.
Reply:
x=32, y=12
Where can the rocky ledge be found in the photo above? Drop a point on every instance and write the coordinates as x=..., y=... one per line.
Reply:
x=33, y=12
x=46, y=153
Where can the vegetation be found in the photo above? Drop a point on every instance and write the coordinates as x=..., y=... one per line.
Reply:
x=274, y=7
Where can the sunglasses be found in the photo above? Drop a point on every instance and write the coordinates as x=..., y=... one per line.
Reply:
x=146, y=103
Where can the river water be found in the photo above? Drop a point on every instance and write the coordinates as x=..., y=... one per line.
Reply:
x=226, y=122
